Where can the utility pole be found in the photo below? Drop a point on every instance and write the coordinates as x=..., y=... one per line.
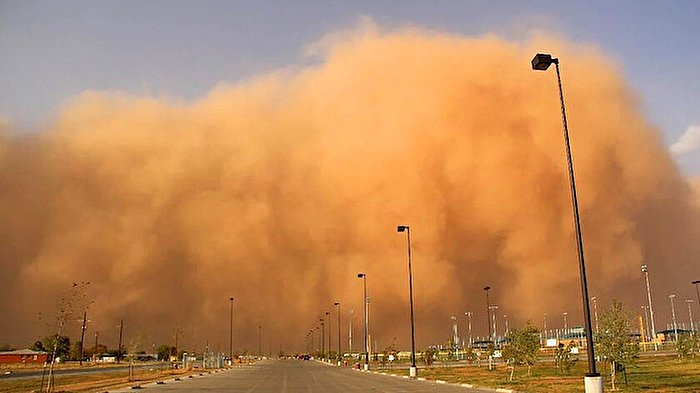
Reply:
x=97, y=335
x=119, y=348
x=82, y=337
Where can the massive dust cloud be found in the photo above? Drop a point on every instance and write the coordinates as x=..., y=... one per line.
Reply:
x=279, y=189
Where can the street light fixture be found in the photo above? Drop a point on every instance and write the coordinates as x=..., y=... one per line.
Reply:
x=488, y=310
x=337, y=304
x=593, y=381
x=363, y=276
x=645, y=270
x=413, y=371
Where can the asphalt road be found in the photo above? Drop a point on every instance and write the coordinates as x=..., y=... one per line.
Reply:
x=300, y=376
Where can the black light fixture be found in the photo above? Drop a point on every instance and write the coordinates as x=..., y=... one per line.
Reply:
x=542, y=61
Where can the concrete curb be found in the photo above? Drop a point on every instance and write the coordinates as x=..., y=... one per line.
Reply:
x=441, y=382
x=170, y=380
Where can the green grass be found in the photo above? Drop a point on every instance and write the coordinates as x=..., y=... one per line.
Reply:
x=663, y=374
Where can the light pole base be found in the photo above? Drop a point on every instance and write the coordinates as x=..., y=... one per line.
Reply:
x=366, y=366
x=413, y=372
x=593, y=384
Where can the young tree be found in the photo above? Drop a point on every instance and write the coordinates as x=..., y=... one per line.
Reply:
x=614, y=342
x=686, y=346
x=59, y=345
x=563, y=359
x=429, y=356
x=165, y=351
x=38, y=346
x=522, y=348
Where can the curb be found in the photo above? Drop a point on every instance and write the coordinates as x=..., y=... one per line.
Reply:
x=168, y=381
x=441, y=382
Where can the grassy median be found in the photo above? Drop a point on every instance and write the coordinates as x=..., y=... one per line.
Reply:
x=663, y=374
x=98, y=381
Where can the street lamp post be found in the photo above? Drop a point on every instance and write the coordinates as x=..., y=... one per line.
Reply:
x=363, y=276
x=689, y=302
x=646, y=323
x=455, y=332
x=488, y=310
x=337, y=304
x=413, y=371
x=645, y=270
x=566, y=326
x=328, y=318
x=469, y=319
x=505, y=317
x=230, y=337
x=595, y=312
x=673, y=315
x=323, y=339
x=351, y=315
x=593, y=381
x=495, y=324
x=697, y=292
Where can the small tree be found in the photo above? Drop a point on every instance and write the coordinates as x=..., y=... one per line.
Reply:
x=522, y=348
x=614, y=341
x=563, y=359
x=38, y=346
x=429, y=356
x=165, y=351
x=686, y=346
x=60, y=345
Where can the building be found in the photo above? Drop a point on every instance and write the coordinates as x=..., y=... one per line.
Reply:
x=24, y=356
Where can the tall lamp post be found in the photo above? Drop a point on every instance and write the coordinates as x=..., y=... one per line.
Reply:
x=469, y=325
x=413, y=371
x=328, y=318
x=689, y=302
x=595, y=311
x=673, y=315
x=697, y=291
x=593, y=382
x=363, y=276
x=645, y=270
x=230, y=336
x=323, y=339
x=488, y=310
x=337, y=304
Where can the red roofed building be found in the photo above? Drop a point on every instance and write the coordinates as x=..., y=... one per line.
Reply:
x=23, y=356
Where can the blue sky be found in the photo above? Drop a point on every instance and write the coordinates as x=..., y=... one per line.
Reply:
x=52, y=50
